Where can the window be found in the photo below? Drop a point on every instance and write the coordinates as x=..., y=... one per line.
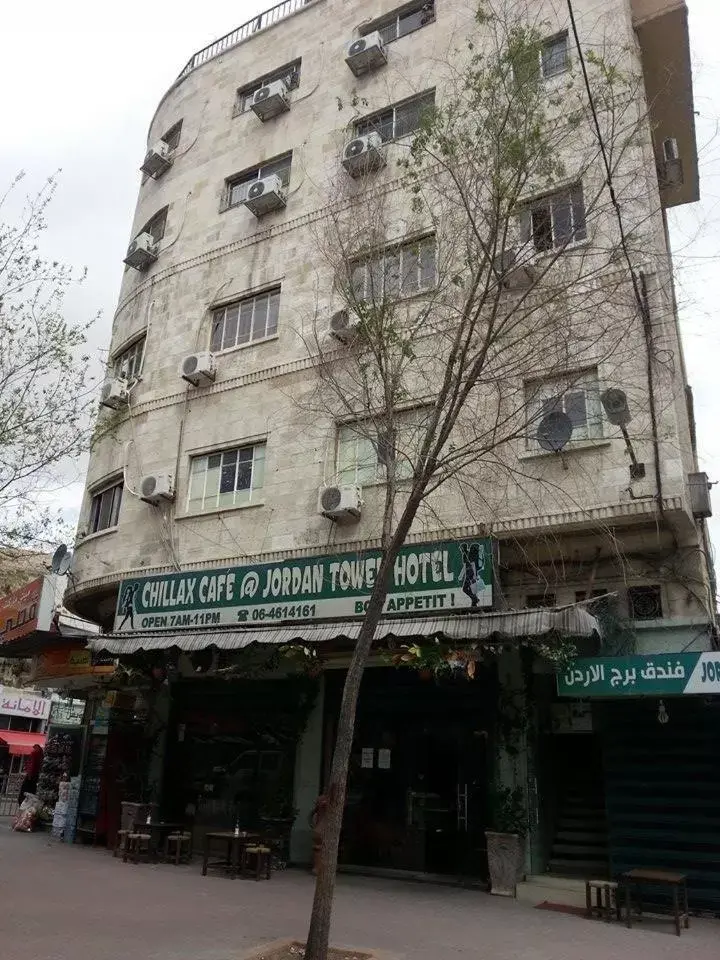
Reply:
x=363, y=449
x=237, y=187
x=554, y=55
x=577, y=396
x=400, y=22
x=645, y=603
x=537, y=601
x=290, y=73
x=128, y=364
x=105, y=508
x=398, y=120
x=554, y=221
x=229, y=478
x=172, y=137
x=252, y=318
x=399, y=271
x=156, y=225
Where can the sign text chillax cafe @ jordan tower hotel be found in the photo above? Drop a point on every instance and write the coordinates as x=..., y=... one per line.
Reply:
x=437, y=578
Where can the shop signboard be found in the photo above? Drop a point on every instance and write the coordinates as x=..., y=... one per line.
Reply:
x=23, y=703
x=653, y=675
x=71, y=662
x=430, y=578
x=27, y=609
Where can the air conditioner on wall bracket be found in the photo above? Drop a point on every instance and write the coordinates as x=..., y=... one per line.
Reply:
x=141, y=252
x=266, y=195
x=364, y=154
x=156, y=487
x=157, y=160
x=270, y=100
x=344, y=326
x=366, y=53
x=114, y=394
x=341, y=504
x=198, y=369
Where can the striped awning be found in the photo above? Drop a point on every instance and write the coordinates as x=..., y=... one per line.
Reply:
x=571, y=622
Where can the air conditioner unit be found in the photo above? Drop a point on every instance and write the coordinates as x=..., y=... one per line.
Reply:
x=364, y=154
x=513, y=274
x=266, y=195
x=343, y=326
x=198, y=368
x=271, y=100
x=157, y=160
x=141, y=252
x=156, y=487
x=366, y=53
x=114, y=394
x=699, y=495
x=342, y=504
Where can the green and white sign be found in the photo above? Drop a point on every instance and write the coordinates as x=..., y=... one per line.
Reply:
x=654, y=675
x=426, y=578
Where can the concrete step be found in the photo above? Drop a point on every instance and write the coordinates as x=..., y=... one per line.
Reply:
x=589, y=869
x=581, y=836
x=580, y=850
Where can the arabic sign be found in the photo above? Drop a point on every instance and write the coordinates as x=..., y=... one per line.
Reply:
x=23, y=703
x=68, y=662
x=654, y=675
x=27, y=609
x=426, y=578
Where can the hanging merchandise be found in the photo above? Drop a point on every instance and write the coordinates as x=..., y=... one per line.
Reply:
x=57, y=762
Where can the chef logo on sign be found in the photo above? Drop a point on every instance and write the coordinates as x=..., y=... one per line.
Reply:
x=127, y=605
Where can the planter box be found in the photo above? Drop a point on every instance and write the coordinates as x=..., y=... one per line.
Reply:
x=506, y=855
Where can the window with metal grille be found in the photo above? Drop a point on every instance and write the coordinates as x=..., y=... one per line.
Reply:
x=128, y=364
x=398, y=271
x=576, y=395
x=555, y=55
x=406, y=19
x=554, y=221
x=105, y=508
x=246, y=320
x=398, y=120
x=645, y=603
x=156, y=225
x=236, y=188
x=290, y=73
x=581, y=595
x=228, y=478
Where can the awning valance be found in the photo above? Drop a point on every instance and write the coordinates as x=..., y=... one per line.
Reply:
x=573, y=621
x=20, y=743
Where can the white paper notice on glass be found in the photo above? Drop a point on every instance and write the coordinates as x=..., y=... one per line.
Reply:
x=384, y=756
x=368, y=758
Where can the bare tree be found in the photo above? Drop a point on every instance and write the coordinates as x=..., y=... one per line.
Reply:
x=44, y=382
x=482, y=265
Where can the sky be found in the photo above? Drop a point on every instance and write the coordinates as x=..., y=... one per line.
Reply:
x=80, y=81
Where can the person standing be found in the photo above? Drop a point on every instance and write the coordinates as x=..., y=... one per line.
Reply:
x=32, y=772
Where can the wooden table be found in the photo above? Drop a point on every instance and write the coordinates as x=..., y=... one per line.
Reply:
x=234, y=844
x=157, y=829
x=676, y=881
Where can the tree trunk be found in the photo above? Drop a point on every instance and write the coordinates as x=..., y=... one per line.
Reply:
x=319, y=934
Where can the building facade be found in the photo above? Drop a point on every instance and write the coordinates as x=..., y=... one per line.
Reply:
x=211, y=457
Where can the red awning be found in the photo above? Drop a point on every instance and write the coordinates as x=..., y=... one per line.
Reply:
x=19, y=742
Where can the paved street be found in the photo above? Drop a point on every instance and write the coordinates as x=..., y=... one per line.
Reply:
x=75, y=903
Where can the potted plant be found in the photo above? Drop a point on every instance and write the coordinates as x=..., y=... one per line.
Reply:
x=506, y=841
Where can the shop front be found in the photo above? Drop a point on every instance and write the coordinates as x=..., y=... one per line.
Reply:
x=655, y=721
x=249, y=741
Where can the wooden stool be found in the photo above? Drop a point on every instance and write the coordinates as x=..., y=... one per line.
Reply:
x=181, y=844
x=137, y=848
x=120, y=842
x=678, y=886
x=605, y=890
x=261, y=856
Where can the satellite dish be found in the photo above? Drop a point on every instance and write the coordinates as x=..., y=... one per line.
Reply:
x=554, y=431
x=616, y=407
x=61, y=560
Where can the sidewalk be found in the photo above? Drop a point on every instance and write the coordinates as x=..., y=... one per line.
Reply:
x=76, y=903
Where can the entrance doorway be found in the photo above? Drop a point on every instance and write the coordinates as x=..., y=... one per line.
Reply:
x=417, y=788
